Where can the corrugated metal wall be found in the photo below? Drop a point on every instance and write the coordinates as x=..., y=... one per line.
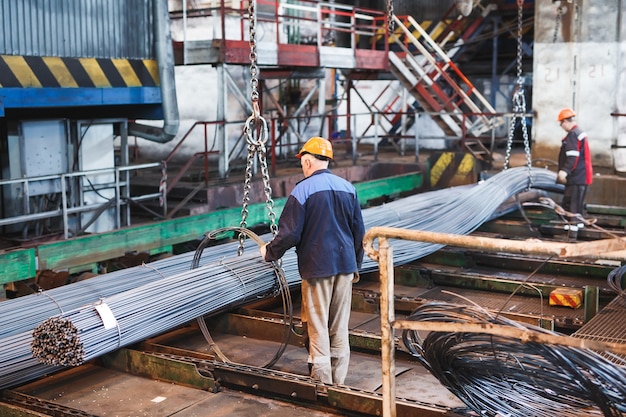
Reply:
x=77, y=28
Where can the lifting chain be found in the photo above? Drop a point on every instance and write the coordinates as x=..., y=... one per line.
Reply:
x=256, y=134
x=390, y=22
x=254, y=69
x=557, y=23
x=519, y=102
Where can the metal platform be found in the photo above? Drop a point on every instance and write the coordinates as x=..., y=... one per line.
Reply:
x=608, y=324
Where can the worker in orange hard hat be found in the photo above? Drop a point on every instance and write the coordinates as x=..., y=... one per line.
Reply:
x=575, y=170
x=322, y=219
x=317, y=146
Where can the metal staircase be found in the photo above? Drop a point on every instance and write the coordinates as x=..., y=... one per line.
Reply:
x=429, y=74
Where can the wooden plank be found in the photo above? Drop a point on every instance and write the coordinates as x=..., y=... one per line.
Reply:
x=523, y=334
x=529, y=246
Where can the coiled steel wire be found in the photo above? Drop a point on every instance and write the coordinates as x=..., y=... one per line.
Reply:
x=283, y=287
x=454, y=210
x=500, y=376
x=616, y=280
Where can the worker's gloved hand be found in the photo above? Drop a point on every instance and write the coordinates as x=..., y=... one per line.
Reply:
x=263, y=250
x=356, y=278
x=561, y=177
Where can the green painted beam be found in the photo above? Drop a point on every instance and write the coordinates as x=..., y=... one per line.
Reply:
x=92, y=248
x=17, y=265
x=84, y=250
x=388, y=187
x=157, y=367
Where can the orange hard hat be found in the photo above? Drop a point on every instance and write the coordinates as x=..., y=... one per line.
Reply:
x=566, y=114
x=317, y=146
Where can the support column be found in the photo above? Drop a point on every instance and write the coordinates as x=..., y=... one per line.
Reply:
x=223, y=161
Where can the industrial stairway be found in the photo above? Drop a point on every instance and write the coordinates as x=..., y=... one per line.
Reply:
x=423, y=62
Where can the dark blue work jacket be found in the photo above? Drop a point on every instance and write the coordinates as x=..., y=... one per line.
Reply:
x=322, y=219
x=575, y=158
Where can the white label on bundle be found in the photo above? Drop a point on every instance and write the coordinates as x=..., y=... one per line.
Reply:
x=108, y=319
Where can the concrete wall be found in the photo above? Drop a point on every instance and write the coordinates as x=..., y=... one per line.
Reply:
x=578, y=63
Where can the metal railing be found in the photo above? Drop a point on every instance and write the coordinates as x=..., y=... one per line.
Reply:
x=69, y=207
x=304, y=22
x=388, y=322
x=351, y=129
x=202, y=155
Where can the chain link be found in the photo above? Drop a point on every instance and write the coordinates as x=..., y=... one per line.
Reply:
x=255, y=124
x=256, y=149
x=390, y=22
x=519, y=102
x=254, y=69
x=557, y=23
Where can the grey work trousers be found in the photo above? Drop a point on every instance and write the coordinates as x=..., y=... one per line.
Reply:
x=326, y=305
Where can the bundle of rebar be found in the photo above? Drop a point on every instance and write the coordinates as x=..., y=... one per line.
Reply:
x=498, y=375
x=82, y=334
x=457, y=210
x=23, y=314
x=443, y=210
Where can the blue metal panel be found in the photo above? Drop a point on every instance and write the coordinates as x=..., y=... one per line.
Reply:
x=65, y=97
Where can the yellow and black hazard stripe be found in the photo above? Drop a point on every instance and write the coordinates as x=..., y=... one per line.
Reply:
x=446, y=166
x=50, y=72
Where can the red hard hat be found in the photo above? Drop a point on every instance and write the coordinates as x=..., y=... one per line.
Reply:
x=566, y=114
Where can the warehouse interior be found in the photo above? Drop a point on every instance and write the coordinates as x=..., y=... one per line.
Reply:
x=148, y=149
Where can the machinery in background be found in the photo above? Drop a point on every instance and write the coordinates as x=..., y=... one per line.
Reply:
x=61, y=177
x=73, y=82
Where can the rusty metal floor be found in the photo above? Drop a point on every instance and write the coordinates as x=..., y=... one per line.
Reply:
x=98, y=391
x=95, y=390
x=522, y=308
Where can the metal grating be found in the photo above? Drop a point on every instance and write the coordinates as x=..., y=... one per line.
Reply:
x=501, y=302
x=609, y=325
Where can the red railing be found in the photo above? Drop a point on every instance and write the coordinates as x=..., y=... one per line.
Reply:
x=198, y=155
x=306, y=22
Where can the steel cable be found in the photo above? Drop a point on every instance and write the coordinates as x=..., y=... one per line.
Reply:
x=616, y=280
x=495, y=375
x=283, y=288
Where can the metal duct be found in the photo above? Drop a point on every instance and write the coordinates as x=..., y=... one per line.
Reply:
x=165, y=59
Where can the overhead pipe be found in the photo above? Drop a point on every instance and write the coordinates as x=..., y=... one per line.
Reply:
x=165, y=61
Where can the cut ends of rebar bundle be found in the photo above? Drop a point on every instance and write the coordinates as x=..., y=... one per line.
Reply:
x=56, y=342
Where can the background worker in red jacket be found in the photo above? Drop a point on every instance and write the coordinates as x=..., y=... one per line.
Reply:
x=575, y=169
x=322, y=219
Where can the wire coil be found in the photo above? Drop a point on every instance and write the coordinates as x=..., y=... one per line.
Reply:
x=500, y=376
